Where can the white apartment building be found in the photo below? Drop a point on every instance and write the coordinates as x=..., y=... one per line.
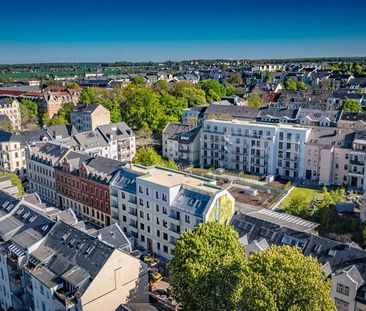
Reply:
x=10, y=109
x=121, y=140
x=257, y=148
x=41, y=158
x=155, y=205
x=88, y=118
x=181, y=143
x=12, y=146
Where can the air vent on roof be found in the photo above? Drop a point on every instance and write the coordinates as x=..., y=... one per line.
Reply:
x=112, y=234
x=332, y=252
x=5, y=204
x=65, y=236
x=317, y=248
x=19, y=211
x=89, y=250
x=44, y=228
x=26, y=215
x=32, y=218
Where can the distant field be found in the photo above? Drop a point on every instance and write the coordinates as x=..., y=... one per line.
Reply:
x=308, y=194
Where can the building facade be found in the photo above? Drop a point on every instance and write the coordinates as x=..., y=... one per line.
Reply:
x=88, y=118
x=155, y=205
x=257, y=148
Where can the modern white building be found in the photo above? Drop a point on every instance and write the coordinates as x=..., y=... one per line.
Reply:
x=254, y=147
x=155, y=205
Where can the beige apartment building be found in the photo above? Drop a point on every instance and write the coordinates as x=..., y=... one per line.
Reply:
x=336, y=156
x=88, y=118
x=9, y=108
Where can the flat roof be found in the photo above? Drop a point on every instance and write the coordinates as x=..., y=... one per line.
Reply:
x=260, y=124
x=171, y=178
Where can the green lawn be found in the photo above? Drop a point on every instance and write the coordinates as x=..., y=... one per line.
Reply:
x=308, y=194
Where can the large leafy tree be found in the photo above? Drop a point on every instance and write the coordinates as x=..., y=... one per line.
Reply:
x=144, y=110
x=173, y=106
x=255, y=100
x=213, y=90
x=194, y=95
x=148, y=156
x=208, y=268
x=236, y=78
x=283, y=279
x=351, y=105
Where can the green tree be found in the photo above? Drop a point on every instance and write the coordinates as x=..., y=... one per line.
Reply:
x=300, y=85
x=46, y=119
x=283, y=279
x=208, y=268
x=358, y=69
x=72, y=86
x=193, y=95
x=296, y=206
x=213, y=90
x=173, y=106
x=6, y=126
x=351, y=105
x=171, y=164
x=139, y=81
x=255, y=100
x=290, y=84
x=89, y=96
x=15, y=181
x=144, y=110
x=267, y=77
x=236, y=78
x=28, y=111
x=148, y=156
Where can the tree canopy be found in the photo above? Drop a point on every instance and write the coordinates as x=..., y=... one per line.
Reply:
x=255, y=100
x=283, y=279
x=235, y=78
x=208, y=268
x=28, y=112
x=351, y=105
x=147, y=156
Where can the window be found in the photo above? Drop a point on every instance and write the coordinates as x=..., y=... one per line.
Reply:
x=164, y=196
x=123, y=207
x=165, y=236
x=147, y=191
x=157, y=195
x=187, y=219
x=343, y=289
x=157, y=207
x=141, y=189
x=142, y=237
x=165, y=211
x=341, y=305
x=142, y=226
x=158, y=233
x=165, y=249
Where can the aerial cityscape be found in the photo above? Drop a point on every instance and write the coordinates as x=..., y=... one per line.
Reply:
x=202, y=155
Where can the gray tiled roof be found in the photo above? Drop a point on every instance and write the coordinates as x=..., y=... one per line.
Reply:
x=125, y=180
x=191, y=201
x=236, y=112
x=115, y=131
x=78, y=257
x=325, y=136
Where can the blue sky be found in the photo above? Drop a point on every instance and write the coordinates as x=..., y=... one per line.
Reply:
x=158, y=30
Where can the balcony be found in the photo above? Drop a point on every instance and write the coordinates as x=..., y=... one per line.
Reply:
x=66, y=298
x=356, y=162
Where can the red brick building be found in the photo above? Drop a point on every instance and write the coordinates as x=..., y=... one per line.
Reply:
x=82, y=183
